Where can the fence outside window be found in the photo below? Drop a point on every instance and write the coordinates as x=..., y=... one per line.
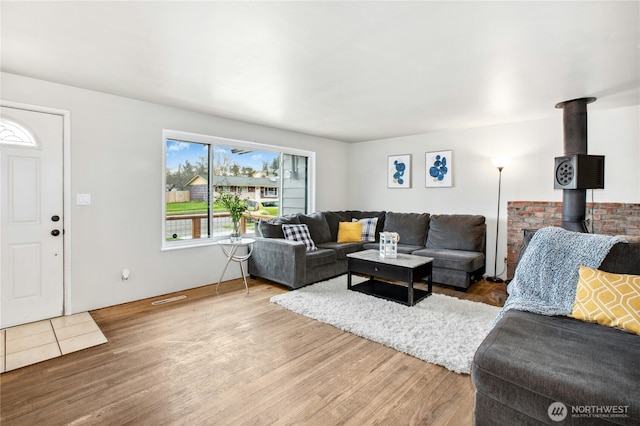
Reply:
x=186, y=227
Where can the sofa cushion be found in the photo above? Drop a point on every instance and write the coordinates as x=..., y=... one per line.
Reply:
x=333, y=219
x=461, y=260
x=342, y=249
x=408, y=249
x=299, y=232
x=412, y=227
x=402, y=248
x=318, y=226
x=269, y=230
x=369, y=225
x=371, y=246
x=528, y=361
x=457, y=232
x=320, y=257
x=622, y=259
x=612, y=300
x=349, y=232
x=281, y=220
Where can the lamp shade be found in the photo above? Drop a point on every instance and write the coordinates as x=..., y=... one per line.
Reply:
x=501, y=162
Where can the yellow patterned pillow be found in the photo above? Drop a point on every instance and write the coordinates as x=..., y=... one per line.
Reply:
x=608, y=299
x=349, y=232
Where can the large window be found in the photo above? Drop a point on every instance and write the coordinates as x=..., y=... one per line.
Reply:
x=273, y=180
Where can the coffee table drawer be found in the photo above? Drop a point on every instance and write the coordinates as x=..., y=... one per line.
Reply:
x=391, y=272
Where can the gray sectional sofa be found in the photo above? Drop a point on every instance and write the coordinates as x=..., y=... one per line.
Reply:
x=533, y=367
x=456, y=242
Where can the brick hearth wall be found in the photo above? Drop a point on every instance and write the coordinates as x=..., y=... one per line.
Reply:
x=608, y=218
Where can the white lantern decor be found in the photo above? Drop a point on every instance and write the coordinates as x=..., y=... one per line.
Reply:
x=389, y=244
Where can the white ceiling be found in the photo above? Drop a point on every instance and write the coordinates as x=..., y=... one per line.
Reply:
x=351, y=71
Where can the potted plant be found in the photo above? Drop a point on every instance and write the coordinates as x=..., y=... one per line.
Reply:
x=236, y=207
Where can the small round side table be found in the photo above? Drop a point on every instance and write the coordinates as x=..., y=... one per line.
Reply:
x=229, y=249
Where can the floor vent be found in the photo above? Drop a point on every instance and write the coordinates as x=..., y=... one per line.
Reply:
x=169, y=300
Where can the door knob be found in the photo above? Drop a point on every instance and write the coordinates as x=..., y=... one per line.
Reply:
x=55, y=218
x=55, y=232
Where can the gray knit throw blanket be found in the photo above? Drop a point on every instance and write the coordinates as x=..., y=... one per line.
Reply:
x=546, y=278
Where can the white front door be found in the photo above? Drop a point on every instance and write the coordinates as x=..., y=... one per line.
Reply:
x=31, y=209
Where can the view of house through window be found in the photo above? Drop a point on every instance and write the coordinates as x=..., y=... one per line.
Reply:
x=271, y=182
x=187, y=195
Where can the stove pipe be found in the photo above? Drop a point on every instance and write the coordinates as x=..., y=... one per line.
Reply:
x=574, y=201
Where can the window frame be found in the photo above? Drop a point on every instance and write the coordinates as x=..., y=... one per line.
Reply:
x=213, y=141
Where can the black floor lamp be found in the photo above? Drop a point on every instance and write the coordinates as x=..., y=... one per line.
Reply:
x=500, y=163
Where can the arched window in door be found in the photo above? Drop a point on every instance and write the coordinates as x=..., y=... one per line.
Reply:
x=12, y=133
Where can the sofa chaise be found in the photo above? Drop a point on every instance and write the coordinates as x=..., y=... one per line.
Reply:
x=535, y=369
x=455, y=242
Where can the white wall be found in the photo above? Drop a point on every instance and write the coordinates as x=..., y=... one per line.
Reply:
x=531, y=146
x=116, y=149
x=116, y=156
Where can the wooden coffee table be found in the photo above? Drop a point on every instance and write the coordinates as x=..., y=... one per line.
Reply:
x=406, y=268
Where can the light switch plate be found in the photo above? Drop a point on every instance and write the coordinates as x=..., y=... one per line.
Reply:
x=83, y=199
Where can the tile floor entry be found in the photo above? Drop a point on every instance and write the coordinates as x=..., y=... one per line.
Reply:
x=31, y=343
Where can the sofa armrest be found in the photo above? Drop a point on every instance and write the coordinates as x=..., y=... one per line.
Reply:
x=279, y=260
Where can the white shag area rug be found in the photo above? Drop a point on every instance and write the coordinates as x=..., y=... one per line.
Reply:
x=440, y=329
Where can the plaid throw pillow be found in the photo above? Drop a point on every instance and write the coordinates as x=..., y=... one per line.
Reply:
x=368, y=228
x=299, y=233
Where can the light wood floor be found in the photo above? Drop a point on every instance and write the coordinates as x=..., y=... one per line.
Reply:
x=232, y=358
